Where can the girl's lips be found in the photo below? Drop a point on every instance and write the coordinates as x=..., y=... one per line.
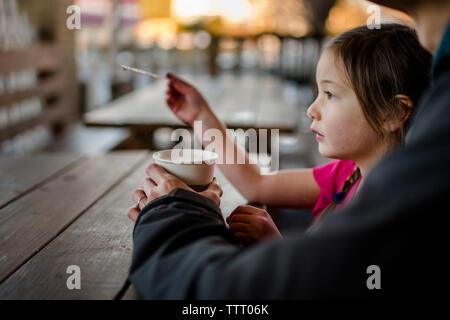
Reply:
x=318, y=133
x=319, y=136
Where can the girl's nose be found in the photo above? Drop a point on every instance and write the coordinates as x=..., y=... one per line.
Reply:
x=312, y=112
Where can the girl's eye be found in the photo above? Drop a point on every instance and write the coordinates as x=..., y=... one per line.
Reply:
x=329, y=95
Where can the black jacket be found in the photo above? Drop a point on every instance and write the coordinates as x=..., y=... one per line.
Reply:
x=399, y=221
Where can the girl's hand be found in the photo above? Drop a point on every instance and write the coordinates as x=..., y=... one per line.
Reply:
x=185, y=100
x=251, y=225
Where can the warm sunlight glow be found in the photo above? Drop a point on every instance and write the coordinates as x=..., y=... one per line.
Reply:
x=151, y=30
x=185, y=8
x=232, y=10
x=235, y=10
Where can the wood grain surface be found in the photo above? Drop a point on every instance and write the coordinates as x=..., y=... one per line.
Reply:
x=31, y=222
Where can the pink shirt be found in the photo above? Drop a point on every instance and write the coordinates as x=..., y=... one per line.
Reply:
x=330, y=177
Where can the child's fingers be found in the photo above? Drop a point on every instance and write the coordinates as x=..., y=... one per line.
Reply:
x=172, y=87
x=174, y=78
x=243, y=218
x=247, y=210
x=172, y=91
x=241, y=235
x=231, y=216
x=179, y=85
x=173, y=103
x=244, y=238
x=182, y=87
x=239, y=227
x=233, y=213
x=171, y=99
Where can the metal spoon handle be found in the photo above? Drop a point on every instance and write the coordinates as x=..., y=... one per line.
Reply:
x=146, y=73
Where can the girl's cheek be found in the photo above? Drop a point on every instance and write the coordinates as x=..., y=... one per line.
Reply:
x=339, y=134
x=343, y=141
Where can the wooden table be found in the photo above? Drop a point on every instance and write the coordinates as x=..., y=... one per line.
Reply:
x=244, y=101
x=58, y=210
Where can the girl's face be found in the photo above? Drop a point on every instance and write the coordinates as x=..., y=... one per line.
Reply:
x=338, y=120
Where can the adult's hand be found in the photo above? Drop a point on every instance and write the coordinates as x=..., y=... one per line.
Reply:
x=251, y=225
x=159, y=182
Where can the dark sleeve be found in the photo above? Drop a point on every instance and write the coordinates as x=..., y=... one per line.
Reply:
x=183, y=250
x=397, y=222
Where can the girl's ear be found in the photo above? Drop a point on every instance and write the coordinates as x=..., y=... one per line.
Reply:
x=393, y=124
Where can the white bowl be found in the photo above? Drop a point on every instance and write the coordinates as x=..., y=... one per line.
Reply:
x=194, y=166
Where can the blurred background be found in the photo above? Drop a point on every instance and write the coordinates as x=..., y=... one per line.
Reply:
x=62, y=88
x=52, y=76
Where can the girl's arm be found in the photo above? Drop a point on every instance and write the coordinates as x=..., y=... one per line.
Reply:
x=289, y=188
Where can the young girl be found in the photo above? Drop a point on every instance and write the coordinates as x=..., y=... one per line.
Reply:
x=368, y=82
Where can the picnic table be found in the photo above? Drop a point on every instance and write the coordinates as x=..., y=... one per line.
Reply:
x=242, y=101
x=59, y=210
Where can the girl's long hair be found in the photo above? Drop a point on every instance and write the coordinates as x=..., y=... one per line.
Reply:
x=381, y=64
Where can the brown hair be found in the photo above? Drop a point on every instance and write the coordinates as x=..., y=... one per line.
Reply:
x=381, y=64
